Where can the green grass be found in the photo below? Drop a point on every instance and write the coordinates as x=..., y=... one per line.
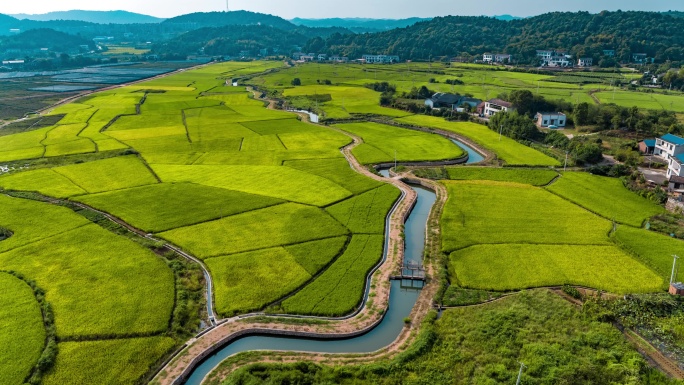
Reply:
x=340, y=288
x=653, y=249
x=275, y=226
x=605, y=196
x=23, y=334
x=512, y=267
x=44, y=181
x=108, y=174
x=456, y=296
x=166, y=206
x=506, y=149
x=484, y=345
x=485, y=212
x=381, y=141
x=365, y=213
x=278, y=182
x=535, y=177
x=120, y=362
x=276, y=271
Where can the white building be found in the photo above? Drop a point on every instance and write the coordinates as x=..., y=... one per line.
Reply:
x=380, y=59
x=494, y=106
x=496, y=58
x=548, y=119
x=585, y=62
x=675, y=166
x=668, y=146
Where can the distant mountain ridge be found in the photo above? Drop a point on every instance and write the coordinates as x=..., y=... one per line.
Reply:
x=98, y=17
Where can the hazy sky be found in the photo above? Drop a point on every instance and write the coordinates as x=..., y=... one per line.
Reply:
x=346, y=8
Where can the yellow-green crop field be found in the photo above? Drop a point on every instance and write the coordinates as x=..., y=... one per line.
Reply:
x=271, y=206
x=381, y=141
x=255, y=193
x=23, y=332
x=606, y=197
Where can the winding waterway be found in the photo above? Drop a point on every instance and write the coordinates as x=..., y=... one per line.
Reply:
x=401, y=302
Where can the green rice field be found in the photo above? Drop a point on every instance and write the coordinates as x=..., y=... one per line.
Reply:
x=381, y=141
x=606, y=197
x=520, y=266
x=261, y=196
x=23, y=333
x=535, y=177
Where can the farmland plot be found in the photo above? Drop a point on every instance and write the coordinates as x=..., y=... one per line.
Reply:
x=481, y=212
x=260, y=229
x=23, y=333
x=535, y=177
x=515, y=266
x=365, y=213
x=381, y=142
x=166, y=206
x=605, y=196
x=340, y=288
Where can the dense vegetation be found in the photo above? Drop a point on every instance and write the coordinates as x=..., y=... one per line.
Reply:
x=484, y=345
x=581, y=34
x=44, y=38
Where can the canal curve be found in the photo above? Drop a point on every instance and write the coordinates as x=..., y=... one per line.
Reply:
x=401, y=302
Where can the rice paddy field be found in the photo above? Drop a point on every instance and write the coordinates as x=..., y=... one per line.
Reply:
x=255, y=193
x=382, y=142
x=506, y=236
x=606, y=197
x=260, y=196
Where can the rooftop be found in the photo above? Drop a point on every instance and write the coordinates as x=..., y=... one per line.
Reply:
x=649, y=142
x=677, y=285
x=551, y=113
x=500, y=102
x=674, y=139
x=677, y=179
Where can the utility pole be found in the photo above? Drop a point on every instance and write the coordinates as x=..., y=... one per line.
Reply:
x=395, y=160
x=566, y=160
x=227, y=5
x=500, y=132
x=674, y=265
x=522, y=366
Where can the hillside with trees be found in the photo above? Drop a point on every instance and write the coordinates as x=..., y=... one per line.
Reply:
x=43, y=38
x=229, y=40
x=582, y=34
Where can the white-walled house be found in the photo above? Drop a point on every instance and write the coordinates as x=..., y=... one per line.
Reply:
x=380, y=59
x=496, y=58
x=585, y=62
x=669, y=146
x=547, y=119
x=494, y=106
x=675, y=166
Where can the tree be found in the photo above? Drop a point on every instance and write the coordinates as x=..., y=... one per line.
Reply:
x=523, y=100
x=296, y=82
x=581, y=114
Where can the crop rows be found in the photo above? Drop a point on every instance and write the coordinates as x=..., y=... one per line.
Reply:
x=340, y=288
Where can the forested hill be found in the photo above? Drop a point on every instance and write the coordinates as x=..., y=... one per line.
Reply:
x=223, y=19
x=230, y=40
x=582, y=34
x=44, y=38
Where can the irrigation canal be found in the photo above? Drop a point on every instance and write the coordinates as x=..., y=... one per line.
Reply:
x=401, y=302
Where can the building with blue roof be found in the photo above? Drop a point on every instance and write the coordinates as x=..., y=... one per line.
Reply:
x=647, y=146
x=669, y=146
